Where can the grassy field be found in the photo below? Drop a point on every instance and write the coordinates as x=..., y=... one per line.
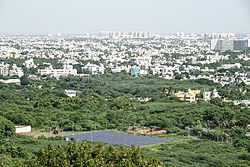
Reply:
x=195, y=152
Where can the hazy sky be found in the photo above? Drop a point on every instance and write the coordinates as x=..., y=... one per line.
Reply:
x=158, y=16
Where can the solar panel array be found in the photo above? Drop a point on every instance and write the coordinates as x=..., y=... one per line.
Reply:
x=111, y=137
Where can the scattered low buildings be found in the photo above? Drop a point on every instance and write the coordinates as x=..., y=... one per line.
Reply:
x=187, y=55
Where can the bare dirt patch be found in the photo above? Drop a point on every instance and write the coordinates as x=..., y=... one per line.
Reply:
x=147, y=131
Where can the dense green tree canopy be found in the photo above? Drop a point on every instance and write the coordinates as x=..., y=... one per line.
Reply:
x=7, y=128
x=78, y=155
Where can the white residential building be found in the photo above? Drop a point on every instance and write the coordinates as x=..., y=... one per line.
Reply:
x=9, y=81
x=29, y=63
x=70, y=93
x=16, y=71
x=94, y=69
x=207, y=95
x=23, y=129
x=228, y=66
x=4, y=69
x=65, y=71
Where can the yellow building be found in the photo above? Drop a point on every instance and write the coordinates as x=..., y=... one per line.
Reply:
x=180, y=95
x=193, y=92
x=189, y=96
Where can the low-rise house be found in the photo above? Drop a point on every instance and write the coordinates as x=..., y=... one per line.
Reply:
x=208, y=95
x=23, y=129
x=10, y=81
x=70, y=93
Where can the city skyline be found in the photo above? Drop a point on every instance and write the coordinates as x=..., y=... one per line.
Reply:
x=79, y=17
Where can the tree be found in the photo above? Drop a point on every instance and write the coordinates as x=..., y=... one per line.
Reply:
x=7, y=128
x=86, y=155
x=24, y=80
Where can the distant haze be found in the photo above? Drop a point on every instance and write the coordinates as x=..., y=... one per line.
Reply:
x=92, y=16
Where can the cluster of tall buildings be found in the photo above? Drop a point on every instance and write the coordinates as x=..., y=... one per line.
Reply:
x=220, y=36
x=116, y=35
x=227, y=41
x=224, y=45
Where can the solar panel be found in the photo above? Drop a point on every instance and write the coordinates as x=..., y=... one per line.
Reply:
x=111, y=137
